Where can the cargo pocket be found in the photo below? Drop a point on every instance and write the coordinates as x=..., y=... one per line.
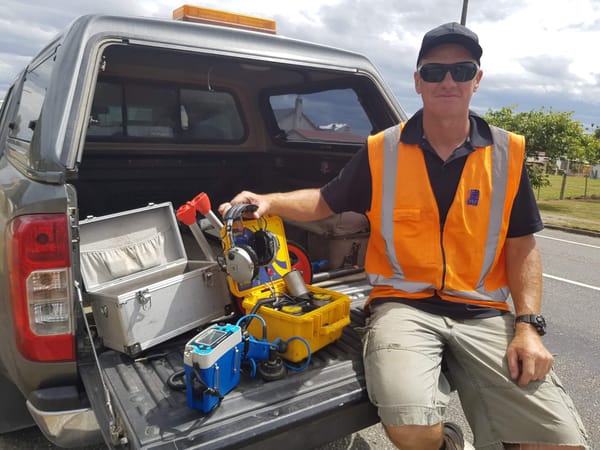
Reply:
x=570, y=406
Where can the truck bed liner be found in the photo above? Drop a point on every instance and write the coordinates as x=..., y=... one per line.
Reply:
x=331, y=388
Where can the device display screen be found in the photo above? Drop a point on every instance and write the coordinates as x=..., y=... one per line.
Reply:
x=211, y=337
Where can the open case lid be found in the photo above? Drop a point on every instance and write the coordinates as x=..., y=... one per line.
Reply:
x=242, y=231
x=118, y=247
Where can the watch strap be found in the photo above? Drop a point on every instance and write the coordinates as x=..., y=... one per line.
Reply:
x=537, y=320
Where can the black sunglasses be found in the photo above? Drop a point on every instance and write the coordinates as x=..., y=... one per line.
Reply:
x=460, y=72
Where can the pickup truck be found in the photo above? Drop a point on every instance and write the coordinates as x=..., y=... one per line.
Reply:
x=119, y=112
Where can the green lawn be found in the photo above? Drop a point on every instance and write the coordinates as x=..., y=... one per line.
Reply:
x=575, y=187
x=580, y=207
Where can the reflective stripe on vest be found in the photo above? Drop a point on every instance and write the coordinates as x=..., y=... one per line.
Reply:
x=500, y=172
x=391, y=138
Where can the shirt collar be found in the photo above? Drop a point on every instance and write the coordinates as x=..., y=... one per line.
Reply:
x=479, y=134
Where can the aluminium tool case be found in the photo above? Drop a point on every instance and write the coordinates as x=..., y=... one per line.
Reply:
x=142, y=288
x=319, y=326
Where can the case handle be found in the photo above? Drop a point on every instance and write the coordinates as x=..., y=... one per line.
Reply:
x=334, y=327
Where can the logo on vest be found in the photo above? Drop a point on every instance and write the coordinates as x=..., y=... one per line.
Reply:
x=473, y=199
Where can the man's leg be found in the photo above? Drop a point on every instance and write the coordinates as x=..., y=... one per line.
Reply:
x=416, y=437
x=498, y=410
x=447, y=436
x=402, y=356
x=540, y=447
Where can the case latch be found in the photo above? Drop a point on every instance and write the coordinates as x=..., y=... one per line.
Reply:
x=209, y=278
x=144, y=298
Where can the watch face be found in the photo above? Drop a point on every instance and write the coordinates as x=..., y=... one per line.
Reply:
x=540, y=324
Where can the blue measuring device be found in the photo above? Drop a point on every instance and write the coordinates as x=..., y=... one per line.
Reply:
x=212, y=363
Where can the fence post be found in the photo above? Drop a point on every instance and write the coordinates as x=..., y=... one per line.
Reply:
x=564, y=181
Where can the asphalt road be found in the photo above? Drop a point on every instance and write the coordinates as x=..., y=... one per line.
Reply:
x=571, y=307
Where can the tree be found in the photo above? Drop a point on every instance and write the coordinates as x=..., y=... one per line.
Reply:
x=555, y=134
x=596, y=143
x=591, y=147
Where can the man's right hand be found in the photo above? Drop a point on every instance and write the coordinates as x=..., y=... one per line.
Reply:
x=528, y=359
x=302, y=205
x=262, y=201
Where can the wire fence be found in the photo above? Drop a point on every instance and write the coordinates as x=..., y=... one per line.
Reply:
x=570, y=187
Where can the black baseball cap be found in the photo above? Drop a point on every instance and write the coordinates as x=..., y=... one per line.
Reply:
x=451, y=33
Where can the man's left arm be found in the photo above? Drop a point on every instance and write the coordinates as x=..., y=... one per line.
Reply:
x=528, y=358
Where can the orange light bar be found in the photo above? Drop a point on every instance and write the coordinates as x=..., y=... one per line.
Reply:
x=188, y=13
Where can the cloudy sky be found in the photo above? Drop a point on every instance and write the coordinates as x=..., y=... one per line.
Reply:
x=536, y=53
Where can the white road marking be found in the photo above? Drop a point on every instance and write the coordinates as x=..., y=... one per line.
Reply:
x=577, y=283
x=568, y=242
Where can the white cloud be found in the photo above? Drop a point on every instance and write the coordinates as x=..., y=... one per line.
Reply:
x=537, y=53
x=545, y=47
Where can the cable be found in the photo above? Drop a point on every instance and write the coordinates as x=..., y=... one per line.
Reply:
x=251, y=316
x=307, y=362
x=261, y=302
x=251, y=371
x=177, y=385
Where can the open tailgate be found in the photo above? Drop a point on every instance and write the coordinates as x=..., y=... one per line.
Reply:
x=305, y=409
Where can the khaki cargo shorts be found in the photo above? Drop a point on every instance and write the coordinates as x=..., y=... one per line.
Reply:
x=402, y=353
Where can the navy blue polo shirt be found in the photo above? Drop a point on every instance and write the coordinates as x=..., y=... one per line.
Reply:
x=350, y=190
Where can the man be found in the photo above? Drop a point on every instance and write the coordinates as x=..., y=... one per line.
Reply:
x=452, y=218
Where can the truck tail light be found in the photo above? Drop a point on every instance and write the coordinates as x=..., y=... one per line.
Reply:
x=41, y=286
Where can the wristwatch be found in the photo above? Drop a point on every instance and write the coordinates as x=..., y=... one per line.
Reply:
x=537, y=320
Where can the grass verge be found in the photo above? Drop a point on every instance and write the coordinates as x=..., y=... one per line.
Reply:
x=580, y=207
x=579, y=214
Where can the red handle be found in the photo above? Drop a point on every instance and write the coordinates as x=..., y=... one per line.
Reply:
x=202, y=203
x=187, y=213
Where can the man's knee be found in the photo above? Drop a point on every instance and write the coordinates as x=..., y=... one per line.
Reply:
x=416, y=437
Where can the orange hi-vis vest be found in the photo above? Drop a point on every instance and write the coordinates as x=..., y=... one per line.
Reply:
x=410, y=254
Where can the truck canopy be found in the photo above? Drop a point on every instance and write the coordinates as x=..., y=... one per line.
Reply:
x=63, y=76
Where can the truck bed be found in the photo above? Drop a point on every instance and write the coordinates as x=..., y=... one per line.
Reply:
x=328, y=399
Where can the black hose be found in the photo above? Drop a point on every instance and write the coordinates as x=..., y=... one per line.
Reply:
x=176, y=385
x=336, y=273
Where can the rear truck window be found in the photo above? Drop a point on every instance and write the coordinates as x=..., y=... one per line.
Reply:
x=127, y=109
x=332, y=115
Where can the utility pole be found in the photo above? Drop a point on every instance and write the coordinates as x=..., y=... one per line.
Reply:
x=463, y=17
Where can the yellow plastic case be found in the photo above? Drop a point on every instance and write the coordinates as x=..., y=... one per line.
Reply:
x=318, y=327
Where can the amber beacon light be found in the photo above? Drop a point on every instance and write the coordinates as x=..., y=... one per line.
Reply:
x=188, y=13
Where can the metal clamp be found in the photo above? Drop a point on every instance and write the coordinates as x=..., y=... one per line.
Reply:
x=144, y=298
x=209, y=278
